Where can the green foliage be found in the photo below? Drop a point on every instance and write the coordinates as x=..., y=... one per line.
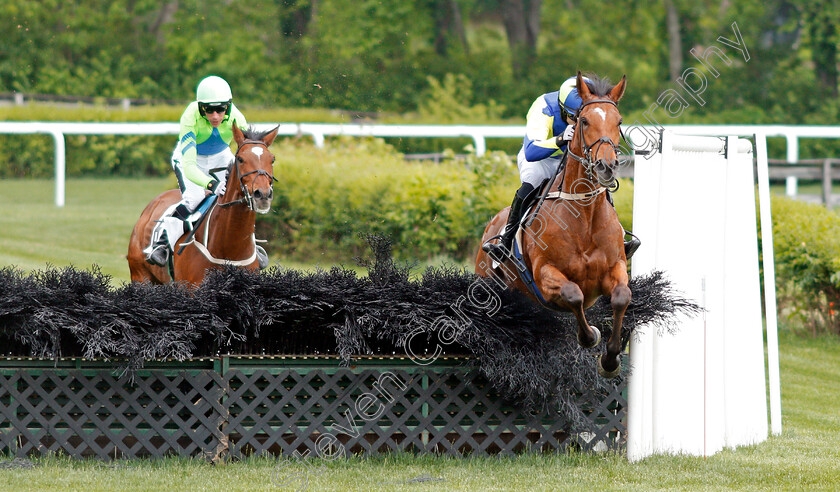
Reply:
x=367, y=55
x=451, y=101
x=326, y=197
x=623, y=200
x=807, y=255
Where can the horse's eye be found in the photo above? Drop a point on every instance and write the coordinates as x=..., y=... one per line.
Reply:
x=620, y=121
x=584, y=121
x=272, y=159
x=240, y=159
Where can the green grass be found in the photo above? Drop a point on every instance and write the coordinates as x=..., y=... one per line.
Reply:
x=91, y=229
x=94, y=225
x=804, y=457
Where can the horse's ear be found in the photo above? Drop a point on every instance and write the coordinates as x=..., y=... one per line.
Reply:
x=582, y=88
x=269, y=139
x=238, y=136
x=618, y=90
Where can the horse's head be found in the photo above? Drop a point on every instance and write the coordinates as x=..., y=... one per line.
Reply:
x=595, y=143
x=252, y=169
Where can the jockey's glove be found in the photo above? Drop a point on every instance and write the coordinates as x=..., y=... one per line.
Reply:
x=217, y=187
x=567, y=135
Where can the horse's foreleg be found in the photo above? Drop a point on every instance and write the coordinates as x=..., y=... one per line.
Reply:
x=558, y=289
x=609, y=365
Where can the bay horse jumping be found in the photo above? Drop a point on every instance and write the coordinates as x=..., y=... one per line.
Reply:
x=573, y=251
x=226, y=236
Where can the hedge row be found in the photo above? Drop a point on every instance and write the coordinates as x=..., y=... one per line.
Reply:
x=326, y=196
x=806, y=241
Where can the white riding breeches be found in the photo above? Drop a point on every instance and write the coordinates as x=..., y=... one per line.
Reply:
x=191, y=193
x=535, y=172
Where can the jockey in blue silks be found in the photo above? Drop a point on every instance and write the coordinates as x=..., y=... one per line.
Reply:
x=550, y=127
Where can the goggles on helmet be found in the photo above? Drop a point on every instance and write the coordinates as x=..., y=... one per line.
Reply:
x=207, y=108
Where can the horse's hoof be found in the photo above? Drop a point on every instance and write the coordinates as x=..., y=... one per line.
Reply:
x=609, y=374
x=597, y=338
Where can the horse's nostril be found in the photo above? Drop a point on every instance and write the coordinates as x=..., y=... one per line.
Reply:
x=261, y=194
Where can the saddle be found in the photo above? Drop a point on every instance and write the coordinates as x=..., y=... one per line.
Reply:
x=197, y=217
x=531, y=204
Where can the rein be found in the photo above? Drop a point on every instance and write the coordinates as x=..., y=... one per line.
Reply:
x=202, y=248
x=586, y=160
x=247, y=198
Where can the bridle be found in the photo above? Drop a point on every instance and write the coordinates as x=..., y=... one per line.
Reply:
x=590, y=150
x=247, y=198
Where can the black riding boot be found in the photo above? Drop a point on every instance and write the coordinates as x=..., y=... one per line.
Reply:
x=500, y=251
x=631, y=246
x=160, y=251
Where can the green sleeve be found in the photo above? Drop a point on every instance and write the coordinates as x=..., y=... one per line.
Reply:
x=189, y=123
x=236, y=115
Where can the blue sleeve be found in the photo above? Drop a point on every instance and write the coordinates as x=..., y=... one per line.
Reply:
x=541, y=128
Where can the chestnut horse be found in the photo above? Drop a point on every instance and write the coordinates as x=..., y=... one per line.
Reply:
x=573, y=251
x=226, y=236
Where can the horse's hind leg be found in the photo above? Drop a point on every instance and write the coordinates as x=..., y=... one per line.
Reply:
x=561, y=291
x=609, y=365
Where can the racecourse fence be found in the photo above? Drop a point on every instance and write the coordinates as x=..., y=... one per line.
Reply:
x=706, y=387
x=478, y=133
x=280, y=405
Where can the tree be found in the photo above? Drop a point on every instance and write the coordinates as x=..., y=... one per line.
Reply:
x=521, y=19
x=295, y=16
x=822, y=18
x=449, y=26
x=675, y=55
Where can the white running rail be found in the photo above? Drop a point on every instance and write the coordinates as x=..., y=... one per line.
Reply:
x=319, y=131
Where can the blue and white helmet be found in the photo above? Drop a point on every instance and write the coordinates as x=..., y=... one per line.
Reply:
x=570, y=101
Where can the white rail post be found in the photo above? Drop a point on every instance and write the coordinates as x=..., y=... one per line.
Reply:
x=480, y=144
x=318, y=139
x=792, y=156
x=60, y=165
x=769, y=284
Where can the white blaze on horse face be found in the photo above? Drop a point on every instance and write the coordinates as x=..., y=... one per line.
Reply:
x=257, y=151
x=601, y=112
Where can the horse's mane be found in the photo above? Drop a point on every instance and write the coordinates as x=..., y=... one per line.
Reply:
x=253, y=134
x=599, y=86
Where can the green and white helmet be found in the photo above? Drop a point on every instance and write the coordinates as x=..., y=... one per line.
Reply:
x=213, y=89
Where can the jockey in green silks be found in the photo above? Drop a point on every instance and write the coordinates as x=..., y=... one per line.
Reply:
x=200, y=160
